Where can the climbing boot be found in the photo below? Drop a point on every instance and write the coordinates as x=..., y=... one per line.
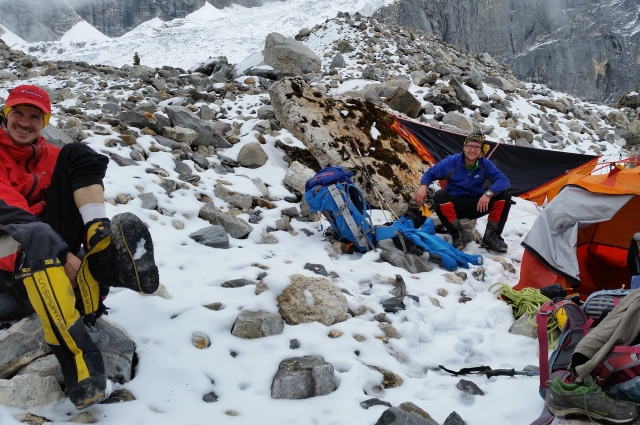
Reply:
x=53, y=300
x=460, y=238
x=492, y=240
x=120, y=254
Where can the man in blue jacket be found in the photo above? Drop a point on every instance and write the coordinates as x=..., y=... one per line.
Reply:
x=474, y=188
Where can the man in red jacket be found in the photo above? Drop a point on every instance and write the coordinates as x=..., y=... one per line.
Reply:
x=51, y=205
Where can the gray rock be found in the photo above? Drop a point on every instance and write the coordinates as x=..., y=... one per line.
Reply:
x=374, y=402
x=454, y=419
x=410, y=262
x=372, y=73
x=182, y=117
x=135, y=119
x=235, y=227
x=469, y=387
x=212, y=236
x=252, y=155
x=237, y=283
x=338, y=61
x=405, y=414
x=458, y=120
x=294, y=344
x=149, y=201
x=21, y=344
x=403, y=101
x=169, y=185
x=181, y=168
x=317, y=269
x=235, y=199
x=297, y=175
x=312, y=299
x=180, y=134
x=345, y=47
x=55, y=136
x=266, y=113
x=44, y=366
x=399, y=287
x=210, y=397
x=289, y=56
x=206, y=113
x=257, y=324
x=201, y=160
x=303, y=377
x=291, y=212
x=142, y=72
x=117, y=350
x=30, y=391
x=523, y=327
x=396, y=304
x=461, y=93
x=419, y=77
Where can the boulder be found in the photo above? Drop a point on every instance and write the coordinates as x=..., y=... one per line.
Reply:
x=182, y=117
x=142, y=72
x=234, y=226
x=257, y=324
x=312, y=299
x=297, y=175
x=405, y=414
x=461, y=93
x=410, y=262
x=290, y=56
x=180, y=134
x=303, y=377
x=252, y=155
x=235, y=199
x=338, y=61
x=403, y=101
x=320, y=123
x=56, y=136
x=458, y=120
x=30, y=391
x=140, y=120
x=21, y=344
x=213, y=236
x=523, y=327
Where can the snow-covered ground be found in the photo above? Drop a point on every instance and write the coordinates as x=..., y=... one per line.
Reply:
x=235, y=32
x=172, y=375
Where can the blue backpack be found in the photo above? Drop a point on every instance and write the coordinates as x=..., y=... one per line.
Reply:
x=332, y=193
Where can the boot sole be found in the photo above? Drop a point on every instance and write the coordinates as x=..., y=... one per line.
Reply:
x=574, y=413
x=133, y=250
x=91, y=401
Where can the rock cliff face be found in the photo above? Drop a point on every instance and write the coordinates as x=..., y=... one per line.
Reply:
x=37, y=20
x=590, y=48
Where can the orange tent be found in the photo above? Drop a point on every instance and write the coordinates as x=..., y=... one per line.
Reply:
x=581, y=238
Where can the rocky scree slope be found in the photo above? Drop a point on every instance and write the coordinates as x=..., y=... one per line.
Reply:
x=588, y=48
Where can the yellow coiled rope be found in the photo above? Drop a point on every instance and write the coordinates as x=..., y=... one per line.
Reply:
x=527, y=301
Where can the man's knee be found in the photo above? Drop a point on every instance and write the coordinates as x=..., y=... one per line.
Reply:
x=441, y=197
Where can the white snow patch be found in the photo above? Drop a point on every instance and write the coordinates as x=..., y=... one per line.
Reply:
x=308, y=297
x=10, y=38
x=140, y=250
x=374, y=132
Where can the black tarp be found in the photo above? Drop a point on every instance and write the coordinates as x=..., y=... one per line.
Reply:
x=526, y=168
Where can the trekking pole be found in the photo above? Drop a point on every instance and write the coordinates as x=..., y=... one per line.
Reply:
x=509, y=372
x=370, y=180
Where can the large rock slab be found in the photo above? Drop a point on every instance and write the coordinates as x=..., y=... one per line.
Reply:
x=117, y=350
x=403, y=101
x=233, y=198
x=21, y=344
x=235, y=227
x=182, y=117
x=318, y=121
x=289, y=56
x=257, y=324
x=30, y=391
x=303, y=377
x=312, y=299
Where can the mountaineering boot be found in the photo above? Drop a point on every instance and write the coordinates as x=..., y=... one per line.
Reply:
x=119, y=253
x=460, y=238
x=53, y=300
x=579, y=400
x=492, y=240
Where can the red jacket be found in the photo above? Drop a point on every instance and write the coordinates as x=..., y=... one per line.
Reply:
x=25, y=175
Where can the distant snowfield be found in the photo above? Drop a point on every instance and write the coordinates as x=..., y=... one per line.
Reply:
x=10, y=38
x=235, y=32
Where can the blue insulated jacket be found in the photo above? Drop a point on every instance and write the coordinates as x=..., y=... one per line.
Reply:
x=461, y=181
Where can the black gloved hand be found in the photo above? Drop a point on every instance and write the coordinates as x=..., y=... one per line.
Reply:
x=553, y=291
